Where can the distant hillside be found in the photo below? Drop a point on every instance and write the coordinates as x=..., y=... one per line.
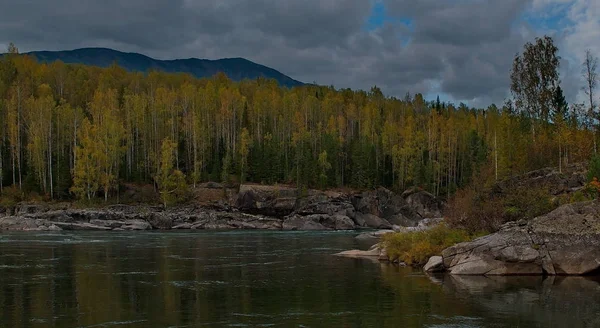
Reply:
x=235, y=68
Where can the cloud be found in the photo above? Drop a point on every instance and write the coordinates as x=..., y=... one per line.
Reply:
x=459, y=48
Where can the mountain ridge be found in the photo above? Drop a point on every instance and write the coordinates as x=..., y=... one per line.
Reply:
x=236, y=68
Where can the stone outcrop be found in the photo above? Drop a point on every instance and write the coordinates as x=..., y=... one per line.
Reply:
x=563, y=242
x=253, y=207
x=135, y=218
x=423, y=203
x=266, y=200
x=570, y=179
x=386, y=205
x=376, y=209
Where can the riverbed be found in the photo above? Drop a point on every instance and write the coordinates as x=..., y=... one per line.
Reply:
x=259, y=279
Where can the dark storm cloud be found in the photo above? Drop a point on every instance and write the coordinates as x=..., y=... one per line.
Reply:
x=466, y=22
x=460, y=47
x=55, y=24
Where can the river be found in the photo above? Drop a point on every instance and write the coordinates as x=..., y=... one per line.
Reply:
x=259, y=279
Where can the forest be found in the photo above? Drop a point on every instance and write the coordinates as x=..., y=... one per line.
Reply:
x=80, y=132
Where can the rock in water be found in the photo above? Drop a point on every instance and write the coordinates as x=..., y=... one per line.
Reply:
x=563, y=242
x=435, y=264
x=358, y=253
x=375, y=252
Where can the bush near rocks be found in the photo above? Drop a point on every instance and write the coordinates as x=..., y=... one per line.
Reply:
x=415, y=248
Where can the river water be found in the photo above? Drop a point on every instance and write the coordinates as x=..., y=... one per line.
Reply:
x=259, y=279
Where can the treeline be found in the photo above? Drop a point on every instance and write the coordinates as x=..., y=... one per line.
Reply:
x=79, y=131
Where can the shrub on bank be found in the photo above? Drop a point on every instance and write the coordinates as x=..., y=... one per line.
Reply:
x=477, y=210
x=415, y=248
x=11, y=196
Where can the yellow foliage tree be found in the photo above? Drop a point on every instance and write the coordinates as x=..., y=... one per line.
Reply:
x=170, y=181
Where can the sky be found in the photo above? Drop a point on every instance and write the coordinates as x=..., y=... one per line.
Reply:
x=461, y=50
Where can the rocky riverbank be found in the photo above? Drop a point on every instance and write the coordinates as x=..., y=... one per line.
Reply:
x=564, y=242
x=252, y=207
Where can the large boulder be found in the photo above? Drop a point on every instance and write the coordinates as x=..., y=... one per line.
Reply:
x=160, y=221
x=563, y=242
x=423, y=203
x=385, y=204
x=373, y=221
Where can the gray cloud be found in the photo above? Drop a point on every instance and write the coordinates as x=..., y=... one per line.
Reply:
x=463, y=48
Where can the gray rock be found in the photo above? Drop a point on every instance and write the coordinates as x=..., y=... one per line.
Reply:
x=376, y=235
x=343, y=222
x=385, y=204
x=217, y=226
x=563, y=242
x=328, y=207
x=199, y=225
x=435, y=264
x=23, y=209
x=160, y=221
x=423, y=225
x=54, y=227
x=402, y=221
x=425, y=204
x=373, y=221
x=375, y=252
x=80, y=226
x=266, y=200
x=182, y=226
x=136, y=225
x=358, y=253
x=297, y=222
x=18, y=224
x=235, y=224
x=107, y=223
x=359, y=220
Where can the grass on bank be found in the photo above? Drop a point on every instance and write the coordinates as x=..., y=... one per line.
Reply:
x=415, y=248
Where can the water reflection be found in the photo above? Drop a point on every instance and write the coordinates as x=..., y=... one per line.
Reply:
x=531, y=301
x=258, y=279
